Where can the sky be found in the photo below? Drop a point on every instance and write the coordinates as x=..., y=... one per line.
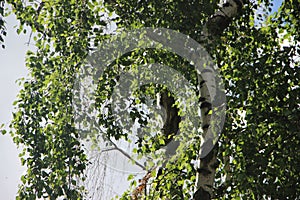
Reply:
x=12, y=67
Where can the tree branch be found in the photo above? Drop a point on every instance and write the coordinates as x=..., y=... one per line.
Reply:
x=125, y=154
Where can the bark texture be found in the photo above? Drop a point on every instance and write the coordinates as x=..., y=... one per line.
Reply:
x=172, y=119
x=208, y=164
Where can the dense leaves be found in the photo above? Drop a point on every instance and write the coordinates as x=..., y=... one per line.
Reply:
x=263, y=82
x=44, y=122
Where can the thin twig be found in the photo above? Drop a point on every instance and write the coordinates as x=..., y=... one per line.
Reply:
x=127, y=155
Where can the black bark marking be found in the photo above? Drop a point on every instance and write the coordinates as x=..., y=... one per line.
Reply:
x=205, y=104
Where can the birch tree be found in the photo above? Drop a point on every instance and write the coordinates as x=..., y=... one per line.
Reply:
x=257, y=53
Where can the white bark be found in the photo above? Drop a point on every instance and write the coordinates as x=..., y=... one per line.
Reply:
x=207, y=165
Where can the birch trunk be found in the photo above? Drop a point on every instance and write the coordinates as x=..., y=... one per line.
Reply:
x=207, y=165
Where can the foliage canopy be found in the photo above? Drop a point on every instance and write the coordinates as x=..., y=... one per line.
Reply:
x=258, y=151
